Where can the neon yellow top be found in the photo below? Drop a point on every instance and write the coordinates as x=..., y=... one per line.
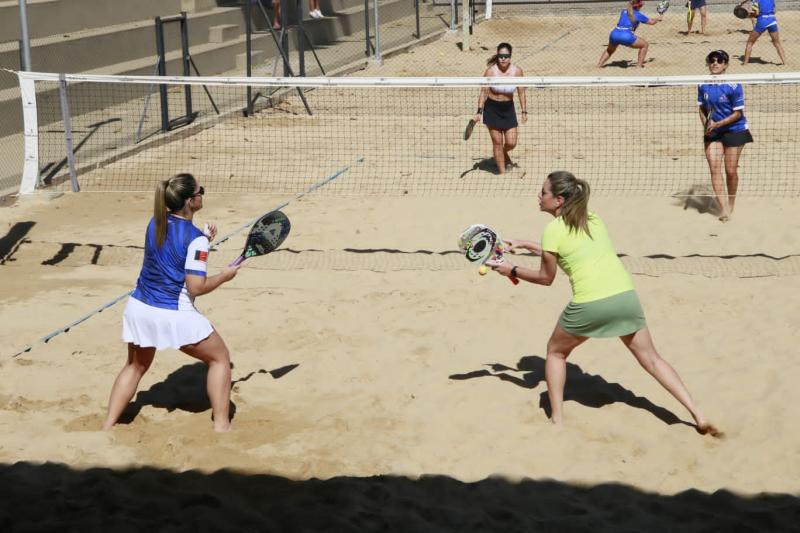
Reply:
x=591, y=263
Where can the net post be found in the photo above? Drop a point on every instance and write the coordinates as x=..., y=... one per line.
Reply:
x=30, y=169
x=68, y=145
x=162, y=71
x=465, y=16
x=366, y=26
x=301, y=44
x=248, y=26
x=187, y=89
x=378, y=60
x=416, y=9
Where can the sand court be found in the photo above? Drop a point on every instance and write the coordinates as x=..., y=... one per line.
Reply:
x=367, y=347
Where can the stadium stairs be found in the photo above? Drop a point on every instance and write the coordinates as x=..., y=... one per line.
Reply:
x=118, y=37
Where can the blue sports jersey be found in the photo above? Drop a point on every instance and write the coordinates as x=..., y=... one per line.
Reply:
x=764, y=7
x=723, y=99
x=162, y=281
x=624, y=22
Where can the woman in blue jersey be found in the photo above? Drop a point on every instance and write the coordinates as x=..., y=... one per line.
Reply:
x=764, y=13
x=623, y=34
x=695, y=6
x=161, y=314
x=496, y=105
x=721, y=107
x=604, y=302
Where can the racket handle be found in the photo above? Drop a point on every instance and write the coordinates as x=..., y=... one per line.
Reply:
x=515, y=281
x=237, y=261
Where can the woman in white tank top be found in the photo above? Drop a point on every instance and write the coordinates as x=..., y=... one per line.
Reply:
x=496, y=105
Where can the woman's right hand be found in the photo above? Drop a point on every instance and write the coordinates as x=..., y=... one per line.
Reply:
x=477, y=118
x=230, y=272
x=513, y=245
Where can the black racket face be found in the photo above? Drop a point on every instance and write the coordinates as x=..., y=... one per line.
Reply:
x=740, y=12
x=267, y=234
x=468, y=130
x=478, y=243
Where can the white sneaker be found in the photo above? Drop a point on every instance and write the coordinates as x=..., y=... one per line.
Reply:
x=319, y=14
x=313, y=14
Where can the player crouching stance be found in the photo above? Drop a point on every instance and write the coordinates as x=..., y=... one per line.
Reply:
x=161, y=313
x=764, y=13
x=604, y=302
x=623, y=34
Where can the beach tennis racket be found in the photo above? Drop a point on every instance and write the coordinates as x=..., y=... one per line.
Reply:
x=265, y=236
x=468, y=129
x=480, y=244
x=662, y=7
x=710, y=112
x=740, y=12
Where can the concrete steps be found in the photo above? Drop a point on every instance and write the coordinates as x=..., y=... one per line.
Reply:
x=53, y=17
x=217, y=45
x=120, y=43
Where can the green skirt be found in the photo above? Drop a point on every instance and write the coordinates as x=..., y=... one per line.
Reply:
x=614, y=316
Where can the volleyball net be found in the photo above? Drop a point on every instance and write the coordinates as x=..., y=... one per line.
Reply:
x=637, y=136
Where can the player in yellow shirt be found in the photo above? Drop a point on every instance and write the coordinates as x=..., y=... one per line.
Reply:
x=604, y=302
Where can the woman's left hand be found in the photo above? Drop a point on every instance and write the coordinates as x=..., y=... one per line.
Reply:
x=524, y=118
x=210, y=231
x=501, y=267
x=710, y=126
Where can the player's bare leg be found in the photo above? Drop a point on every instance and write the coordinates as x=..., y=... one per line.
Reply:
x=510, y=142
x=703, y=19
x=748, y=48
x=641, y=346
x=642, y=45
x=732, y=154
x=213, y=352
x=498, y=151
x=559, y=347
x=610, y=49
x=139, y=360
x=714, y=155
x=776, y=42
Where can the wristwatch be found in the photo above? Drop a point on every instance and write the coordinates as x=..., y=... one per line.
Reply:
x=514, y=272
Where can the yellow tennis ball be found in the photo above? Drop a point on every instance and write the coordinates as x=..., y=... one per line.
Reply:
x=482, y=270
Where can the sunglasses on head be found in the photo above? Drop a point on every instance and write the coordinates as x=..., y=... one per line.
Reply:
x=503, y=56
x=200, y=192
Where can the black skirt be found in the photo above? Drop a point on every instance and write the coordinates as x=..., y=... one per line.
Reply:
x=499, y=115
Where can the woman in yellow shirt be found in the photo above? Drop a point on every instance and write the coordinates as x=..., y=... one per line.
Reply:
x=604, y=302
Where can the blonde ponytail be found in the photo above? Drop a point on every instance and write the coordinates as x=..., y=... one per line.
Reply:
x=170, y=196
x=575, y=211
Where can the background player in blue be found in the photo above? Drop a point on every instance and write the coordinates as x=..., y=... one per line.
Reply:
x=721, y=107
x=161, y=314
x=695, y=6
x=629, y=20
x=764, y=13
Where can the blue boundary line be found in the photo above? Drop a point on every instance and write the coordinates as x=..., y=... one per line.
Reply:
x=105, y=306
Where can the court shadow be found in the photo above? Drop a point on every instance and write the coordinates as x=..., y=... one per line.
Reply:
x=586, y=389
x=759, y=61
x=12, y=240
x=699, y=198
x=624, y=63
x=185, y=390
x=486, y=165
x=58, y=497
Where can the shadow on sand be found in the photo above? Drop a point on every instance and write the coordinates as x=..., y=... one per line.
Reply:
x=586, y=389
x=55, y=497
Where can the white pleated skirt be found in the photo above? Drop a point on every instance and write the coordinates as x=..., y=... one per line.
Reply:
x=148, y=326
